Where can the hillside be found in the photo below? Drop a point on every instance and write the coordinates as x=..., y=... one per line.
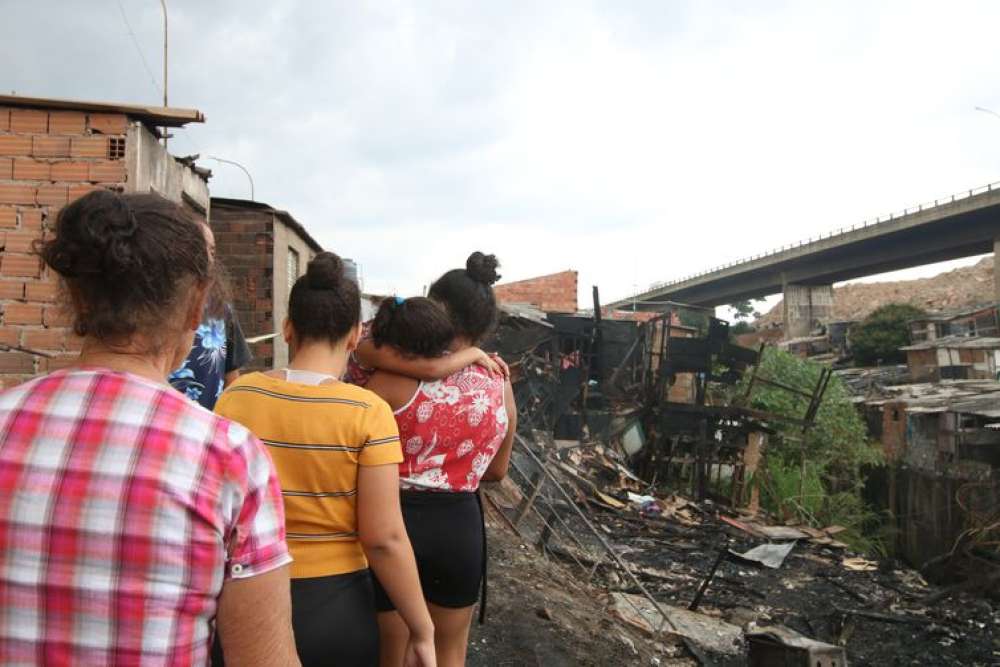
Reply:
x=960, y=288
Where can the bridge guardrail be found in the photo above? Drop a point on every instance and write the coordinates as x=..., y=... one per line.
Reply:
x=965, y=194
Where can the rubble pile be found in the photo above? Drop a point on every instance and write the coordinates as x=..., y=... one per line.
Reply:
x=724, y=585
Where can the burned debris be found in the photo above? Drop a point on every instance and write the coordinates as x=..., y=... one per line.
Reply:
x=637, y=468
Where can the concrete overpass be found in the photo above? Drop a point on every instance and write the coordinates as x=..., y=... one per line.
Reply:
x=963, y=225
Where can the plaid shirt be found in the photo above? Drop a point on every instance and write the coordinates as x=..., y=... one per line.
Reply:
x=123, y=508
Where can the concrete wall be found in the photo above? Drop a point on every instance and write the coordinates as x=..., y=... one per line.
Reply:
x=806, y=307
x=285, y=239
x=153, y=169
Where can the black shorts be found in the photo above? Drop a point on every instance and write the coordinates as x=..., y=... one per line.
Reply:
x=334, y=621
x=446, y=530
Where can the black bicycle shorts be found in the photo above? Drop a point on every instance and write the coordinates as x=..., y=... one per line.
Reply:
x=334, y=621
x=446, y=531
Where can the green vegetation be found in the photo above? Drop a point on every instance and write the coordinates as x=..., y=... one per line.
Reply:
x=744, y=310
x=878, y=338
x=817, y=480
x=697, y=319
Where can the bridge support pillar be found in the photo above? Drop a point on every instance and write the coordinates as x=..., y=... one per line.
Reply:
x=806, y=308
x=996, y=271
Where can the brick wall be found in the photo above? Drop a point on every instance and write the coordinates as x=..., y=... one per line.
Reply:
x=47, y=159
x=244, y=243
x=555, y=293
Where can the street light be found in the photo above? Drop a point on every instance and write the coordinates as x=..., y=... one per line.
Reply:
x=989, y=111
x=236, y=164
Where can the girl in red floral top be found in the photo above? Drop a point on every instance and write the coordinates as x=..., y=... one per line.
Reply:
x=455, y=432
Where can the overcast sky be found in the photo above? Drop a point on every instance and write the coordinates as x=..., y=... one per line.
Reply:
x=632, y=141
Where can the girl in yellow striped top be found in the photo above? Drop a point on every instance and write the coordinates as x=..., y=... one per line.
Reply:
x=336, y=449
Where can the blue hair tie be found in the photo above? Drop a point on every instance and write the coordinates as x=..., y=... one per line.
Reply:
x=398, y=301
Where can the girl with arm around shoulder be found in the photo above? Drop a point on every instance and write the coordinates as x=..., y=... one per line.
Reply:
x=455, y=432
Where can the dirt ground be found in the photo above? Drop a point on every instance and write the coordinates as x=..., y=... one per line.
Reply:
x=539, y=613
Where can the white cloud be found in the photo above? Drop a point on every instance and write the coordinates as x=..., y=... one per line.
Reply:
x=635, y=142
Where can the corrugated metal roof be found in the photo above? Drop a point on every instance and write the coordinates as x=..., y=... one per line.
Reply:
x=957, y=342
x=159, y=116
x=948, y=315
x=525, y=311
x=975, y=397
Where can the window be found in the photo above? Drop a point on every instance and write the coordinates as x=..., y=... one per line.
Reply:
x=293, y=268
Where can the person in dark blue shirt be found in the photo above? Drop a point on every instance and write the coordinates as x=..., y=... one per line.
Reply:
x=218, y=354
x=219, y=350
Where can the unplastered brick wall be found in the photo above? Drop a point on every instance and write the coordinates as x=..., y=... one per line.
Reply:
x=555, y=293
x=244, y=242
x=48, y=158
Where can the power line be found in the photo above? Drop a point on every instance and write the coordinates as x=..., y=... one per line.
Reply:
x=149, y=70
x=142, y=56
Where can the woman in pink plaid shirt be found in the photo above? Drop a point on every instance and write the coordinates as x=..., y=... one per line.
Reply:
x=133, y=521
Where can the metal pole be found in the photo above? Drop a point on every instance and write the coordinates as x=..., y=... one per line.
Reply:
x=237, y=164
x=163, y=5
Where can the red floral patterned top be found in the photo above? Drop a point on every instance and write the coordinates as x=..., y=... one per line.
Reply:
x=451, y=430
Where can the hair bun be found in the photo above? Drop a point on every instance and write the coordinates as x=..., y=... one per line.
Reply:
x=100, y=240
x=325, y=271
x=482, y=268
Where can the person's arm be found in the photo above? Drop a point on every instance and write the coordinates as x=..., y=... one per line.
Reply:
x=383, y=536
x=254, y=616
x=497, y=469
x=388, y=358
x=254, y=621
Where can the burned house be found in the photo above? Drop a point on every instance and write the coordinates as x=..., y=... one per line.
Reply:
x=53, y=151
x=646, y=383
x=264, y=250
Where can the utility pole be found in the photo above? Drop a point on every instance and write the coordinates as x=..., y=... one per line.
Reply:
x=163, y=5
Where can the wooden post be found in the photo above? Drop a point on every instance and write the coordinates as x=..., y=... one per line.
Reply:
x=752, y=455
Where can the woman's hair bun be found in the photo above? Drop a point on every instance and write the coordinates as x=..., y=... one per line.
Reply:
x=325, y=271
x=99, y=243
x=482, y=268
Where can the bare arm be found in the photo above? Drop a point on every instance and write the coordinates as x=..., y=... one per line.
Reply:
x=255, y=621
x=383, y=536
x=388, y=358
x=497, y=469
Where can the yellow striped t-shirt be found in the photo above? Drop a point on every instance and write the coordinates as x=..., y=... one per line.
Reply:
x=317, y=435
